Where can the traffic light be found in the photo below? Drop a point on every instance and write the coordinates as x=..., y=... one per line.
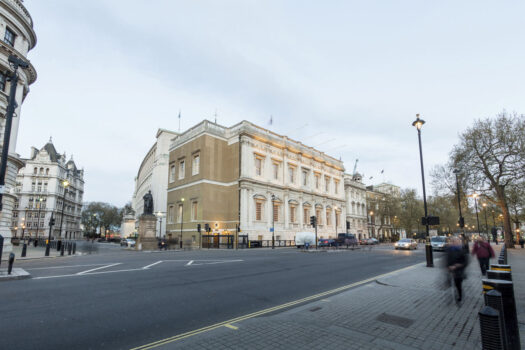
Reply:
x=462, y=222
x=348, y=225
x=199, y=228
x=51, y=221
x=206, y=227
x=313, y=221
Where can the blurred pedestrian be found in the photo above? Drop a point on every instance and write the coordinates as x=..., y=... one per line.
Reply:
x=522, y=242
x=483, y=251
x=456, y=263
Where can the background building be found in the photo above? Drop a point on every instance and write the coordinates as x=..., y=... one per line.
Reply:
x=48, y=184
x=382, y=202
x=251, y=176
x=16, y=30
x=356, y=215
x=153, y=176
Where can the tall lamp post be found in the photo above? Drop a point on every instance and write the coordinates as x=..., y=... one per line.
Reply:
x=486, y=223
x=273, y=221
x=372, y=226
x=65, y=184
x=160, y=215
x=461, y=219
x=475, y=195
x=418, y=123
x=181, y=220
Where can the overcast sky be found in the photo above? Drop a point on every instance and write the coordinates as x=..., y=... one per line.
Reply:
x=111, y=72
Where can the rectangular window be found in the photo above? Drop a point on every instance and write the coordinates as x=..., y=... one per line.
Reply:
x=306, y=216
x=292, y=213
x=194, y=210
x=33, y=185
x=3, y=79
x=305, y=177
x=179, y=215
x=326, y=184
x=336, y=186
x=172, y=173
x=181, y=169
x=329, y=217
x=171, y=214
x=291, y=173
x=317, y=177
x=319, y=217
x=276, y=171
x=275, y=212
x=195, y=167
x=258, y=211
x=9, y=37
x=258, y=166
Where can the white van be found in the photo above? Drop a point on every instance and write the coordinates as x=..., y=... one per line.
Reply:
x=301, y=238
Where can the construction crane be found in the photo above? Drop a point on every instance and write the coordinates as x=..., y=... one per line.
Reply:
x=355, y=166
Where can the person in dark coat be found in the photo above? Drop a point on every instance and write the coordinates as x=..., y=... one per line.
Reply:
x=456, y=263
x=483, y=251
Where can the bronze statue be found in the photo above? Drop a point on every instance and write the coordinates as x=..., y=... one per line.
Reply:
x=148, y=203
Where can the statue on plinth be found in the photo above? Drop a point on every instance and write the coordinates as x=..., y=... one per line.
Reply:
x=148, y=203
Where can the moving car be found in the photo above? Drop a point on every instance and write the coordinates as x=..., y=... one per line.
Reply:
x=128, y=242
x=301, y=238
x=347, y=239
x=406, y=243
x=438, y=242
x=372, y=241
x=326, y=242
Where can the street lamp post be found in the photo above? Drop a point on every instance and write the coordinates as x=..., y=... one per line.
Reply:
x=181, y=221
x=160, y=215
x=475, y=195
x=273, y=222
x=461, y=219
x=418, y=123
x=65, y=184
x=371, y=234
x=486, y=223
x=40, y=199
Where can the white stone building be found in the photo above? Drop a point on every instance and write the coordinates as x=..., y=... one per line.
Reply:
x=153, y=176
x=356, y=215
x=16, y=30
x=41, y=192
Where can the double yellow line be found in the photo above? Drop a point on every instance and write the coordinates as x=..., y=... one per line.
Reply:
x=263, y=312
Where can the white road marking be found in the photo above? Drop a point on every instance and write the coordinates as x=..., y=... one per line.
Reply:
x=61, y=267
x=98, y=268
x=87, y=274
x=150, y=265
x=216, y=262
x=189, y=263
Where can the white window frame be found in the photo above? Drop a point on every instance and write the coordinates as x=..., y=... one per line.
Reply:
x=195, y=166
x=182, y=168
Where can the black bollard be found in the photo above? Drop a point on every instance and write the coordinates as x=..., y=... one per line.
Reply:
x=510, y=318
x=24, y=250
x=74, y=247
x=61, y=250
x=1, y=247
x=499, y=275
x=69, y=247
x=500, y=267
x=10, y=263
x=59, y=245
x=490, y=326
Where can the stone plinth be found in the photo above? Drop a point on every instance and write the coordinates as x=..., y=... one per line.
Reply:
x=147, y=239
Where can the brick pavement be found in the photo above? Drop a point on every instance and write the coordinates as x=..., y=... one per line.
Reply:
x=406, y=310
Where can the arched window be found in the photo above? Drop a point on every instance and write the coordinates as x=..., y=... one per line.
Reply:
x=35, y=170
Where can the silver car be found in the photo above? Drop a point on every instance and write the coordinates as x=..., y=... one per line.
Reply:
x=405, y=243
x=438, y=243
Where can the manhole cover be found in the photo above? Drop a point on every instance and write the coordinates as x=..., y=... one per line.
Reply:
x=395, y=320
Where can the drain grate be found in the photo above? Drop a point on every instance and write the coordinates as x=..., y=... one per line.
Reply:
x=317, y=308
x=395, y=320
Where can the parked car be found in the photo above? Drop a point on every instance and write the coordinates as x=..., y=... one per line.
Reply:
x=346, y=239
x=364, y=241
x=301, y=238
x=326, y=242
x=439, y=242
x=406, y=243
x=128, y=242
x=372, y=241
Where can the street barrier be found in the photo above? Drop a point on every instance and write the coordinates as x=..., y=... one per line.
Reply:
x=74, y=247
x=1, y=247
x=494, y=300
x=491, y=334
x=509, y=315
x=10, y=263
x=499, y=275
x=61, y=248
x=69, y=248
x=59, y=245
x=24, y=250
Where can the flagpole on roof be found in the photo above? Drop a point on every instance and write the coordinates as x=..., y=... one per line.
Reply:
x=179, y=121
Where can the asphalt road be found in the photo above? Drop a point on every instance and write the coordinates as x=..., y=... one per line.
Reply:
x=119, y=299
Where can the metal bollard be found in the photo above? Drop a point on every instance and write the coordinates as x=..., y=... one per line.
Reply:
x=69, y=247
x=1, y=247
x=61, y=249
x=74, y=247
x=500, y=267
x=499, y=275
x=491, y=334
x=511, y=329
x=10, y=263
x=494, y=300
x=24, y=250
x=59, y=245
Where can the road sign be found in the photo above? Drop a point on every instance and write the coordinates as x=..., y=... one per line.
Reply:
x=271, y=229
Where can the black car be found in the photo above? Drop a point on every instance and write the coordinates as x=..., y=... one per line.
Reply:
x=347, y=239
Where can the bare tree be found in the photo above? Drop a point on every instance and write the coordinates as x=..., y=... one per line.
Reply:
x=491, y=157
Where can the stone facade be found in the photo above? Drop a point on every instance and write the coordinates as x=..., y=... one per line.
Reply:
x=251, y=176
x=153, y=176
x=40, y=192
x=356, y=212
x=16, y=29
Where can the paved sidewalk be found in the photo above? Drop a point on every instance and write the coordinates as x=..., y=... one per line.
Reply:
x=31, y=253
x=516, y=259
x=410, y=309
